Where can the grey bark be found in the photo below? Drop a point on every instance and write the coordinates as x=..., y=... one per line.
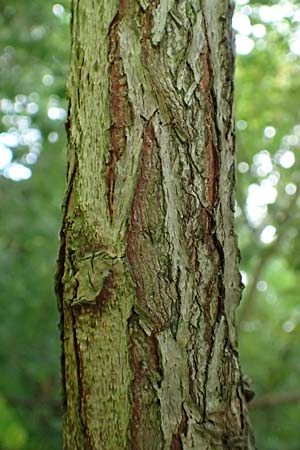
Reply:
x=148, y=278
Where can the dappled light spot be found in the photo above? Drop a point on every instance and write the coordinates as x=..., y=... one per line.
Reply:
x=19, y=134
x=48, y=79
x=262, y=163
x=275, y=13
x=262, y=286
x=241, y=23
x=31, y=158
x=259, y=30
x=246, y=9
x=22, y=122
x=286, y=158
x=291, y=189
x=38, y=32
x=19, y=107
x=269, y=132
x=9, y=139
x=58, y=10
x=241, y=124
x=258, y=197
x=294, y=45
x=255, y=213
x=296, y=16
x=30, y=136
x=53, y=137
x=290, y=139
x=243, y=167
x=36, y=148
x=6, y=105
x=296, y=129
x=283, y=28
x=5, y=156
x=274, y=178
x=56, y=113
x=21, y=98
x=244, y=44
x=17, y=172
x=255, y=208
x=268, y=234
x=288, y=326
x=32, y=108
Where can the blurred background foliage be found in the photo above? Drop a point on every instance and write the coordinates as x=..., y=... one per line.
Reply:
x=33, y=68
x=33, y=71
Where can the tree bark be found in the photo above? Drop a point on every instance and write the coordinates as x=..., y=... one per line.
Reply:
x=148, y=278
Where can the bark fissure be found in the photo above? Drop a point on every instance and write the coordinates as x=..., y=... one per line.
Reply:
x=182, y=429
x=212, y=148
x=145, y=429
x=120, y=107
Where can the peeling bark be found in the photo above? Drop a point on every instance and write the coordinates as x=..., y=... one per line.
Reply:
x=148, y=278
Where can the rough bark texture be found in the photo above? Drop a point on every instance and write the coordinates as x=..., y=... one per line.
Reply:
x=148, y=276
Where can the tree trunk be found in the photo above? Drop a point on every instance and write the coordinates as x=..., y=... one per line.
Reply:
x=148, y=276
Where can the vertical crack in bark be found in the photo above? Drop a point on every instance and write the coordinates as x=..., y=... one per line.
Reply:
x=147, y=28
x=136, y=226
x=213, y=165
x=182, y=429
x=211, y=340
x=241, y=404
x=145, y=428
x=80, y=384
x=213, y=146
x=59, y=285
x=120, y=107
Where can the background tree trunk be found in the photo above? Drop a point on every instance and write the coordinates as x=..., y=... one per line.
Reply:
x=148, y=276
